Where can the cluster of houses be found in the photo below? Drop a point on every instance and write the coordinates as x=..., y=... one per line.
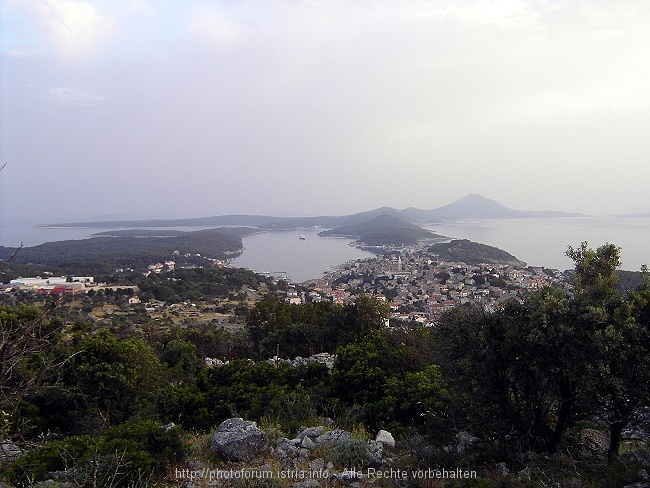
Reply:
x=171, y=264
x=420, y=288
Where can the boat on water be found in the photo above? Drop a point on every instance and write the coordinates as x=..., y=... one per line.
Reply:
x=302, y=237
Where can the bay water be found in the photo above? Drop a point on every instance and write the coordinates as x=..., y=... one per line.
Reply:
x=538, y=242
x=544, y=241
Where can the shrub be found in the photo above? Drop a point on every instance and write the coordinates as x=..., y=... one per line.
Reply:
x=348, y=453
x=144, y=446
x=123, y=456
x=58, y=455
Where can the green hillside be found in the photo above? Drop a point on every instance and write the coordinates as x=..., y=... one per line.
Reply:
x=473, y=253
x=384, y=230
x=104, y=254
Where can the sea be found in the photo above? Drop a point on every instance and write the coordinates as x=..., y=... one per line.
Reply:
x=538, y=242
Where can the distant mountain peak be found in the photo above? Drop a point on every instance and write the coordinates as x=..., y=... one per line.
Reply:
x=471, y=206
x=475, y=206
x=474, y=198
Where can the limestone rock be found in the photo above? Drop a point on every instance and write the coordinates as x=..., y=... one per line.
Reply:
x=311, y=432
x=288, y=464
x=465, y=441
x=237, y=439
x=333, y=436
x=307, y=443
x=374, y=451
x=303, y=455
x=287, y=448
x=9, y=452
x=386, y=438
x=326, y=421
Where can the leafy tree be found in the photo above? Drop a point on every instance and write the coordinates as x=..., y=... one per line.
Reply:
x=624, y=384
x=415, y=399
x=535, y=369
x=382, y=375
x=620, y=324
x=370, y=313
x=110, y=375
x=595, y=272
x=480, y=354
x=181, y=359
x=27, y=335
x=312, y=327
x=264, y=318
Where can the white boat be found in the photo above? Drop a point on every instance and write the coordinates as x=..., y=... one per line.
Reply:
x=302, y=237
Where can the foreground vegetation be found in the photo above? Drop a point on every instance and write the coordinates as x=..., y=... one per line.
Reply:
x=552, y=390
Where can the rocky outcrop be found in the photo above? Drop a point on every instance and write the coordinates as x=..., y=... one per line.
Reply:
x=214, y=362
x=335, y=435
x=466, y=441
x=369, y=454
x=9, y=452
x=237, y=439
x=323, y=358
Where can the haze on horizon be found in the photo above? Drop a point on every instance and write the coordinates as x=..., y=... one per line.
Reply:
x=186, y=109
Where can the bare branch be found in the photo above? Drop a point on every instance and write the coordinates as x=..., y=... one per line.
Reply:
x=2, y=261
x=18, y=342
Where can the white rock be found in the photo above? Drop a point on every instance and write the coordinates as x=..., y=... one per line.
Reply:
x=385, y=438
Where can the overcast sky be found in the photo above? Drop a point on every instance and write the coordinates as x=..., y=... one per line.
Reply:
x=196, y=108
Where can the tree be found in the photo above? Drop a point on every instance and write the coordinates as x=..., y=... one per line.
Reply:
x=595, y=272
x=27, y=336
x=370, y=313
x=110, y=375
x=382, y=375
x=266, y=317
x=624, y=388
x=535, y=369
x=620, y=325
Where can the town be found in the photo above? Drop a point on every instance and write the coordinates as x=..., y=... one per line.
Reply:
x=418, y=285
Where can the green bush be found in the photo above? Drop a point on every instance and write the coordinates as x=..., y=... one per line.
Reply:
x=58, y=455
x=348, y=453
x=143, y=446
x=122, y=456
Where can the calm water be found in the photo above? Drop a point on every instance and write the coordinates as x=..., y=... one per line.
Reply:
x=283, y=251
x=301, y=260
x=539, y=242
x=543, y=242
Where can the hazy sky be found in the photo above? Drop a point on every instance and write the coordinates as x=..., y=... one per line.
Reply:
x=194, y=108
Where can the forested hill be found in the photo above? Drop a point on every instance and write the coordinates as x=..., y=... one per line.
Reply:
x=473, y=253
x=384, y=230
x=104, y=254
